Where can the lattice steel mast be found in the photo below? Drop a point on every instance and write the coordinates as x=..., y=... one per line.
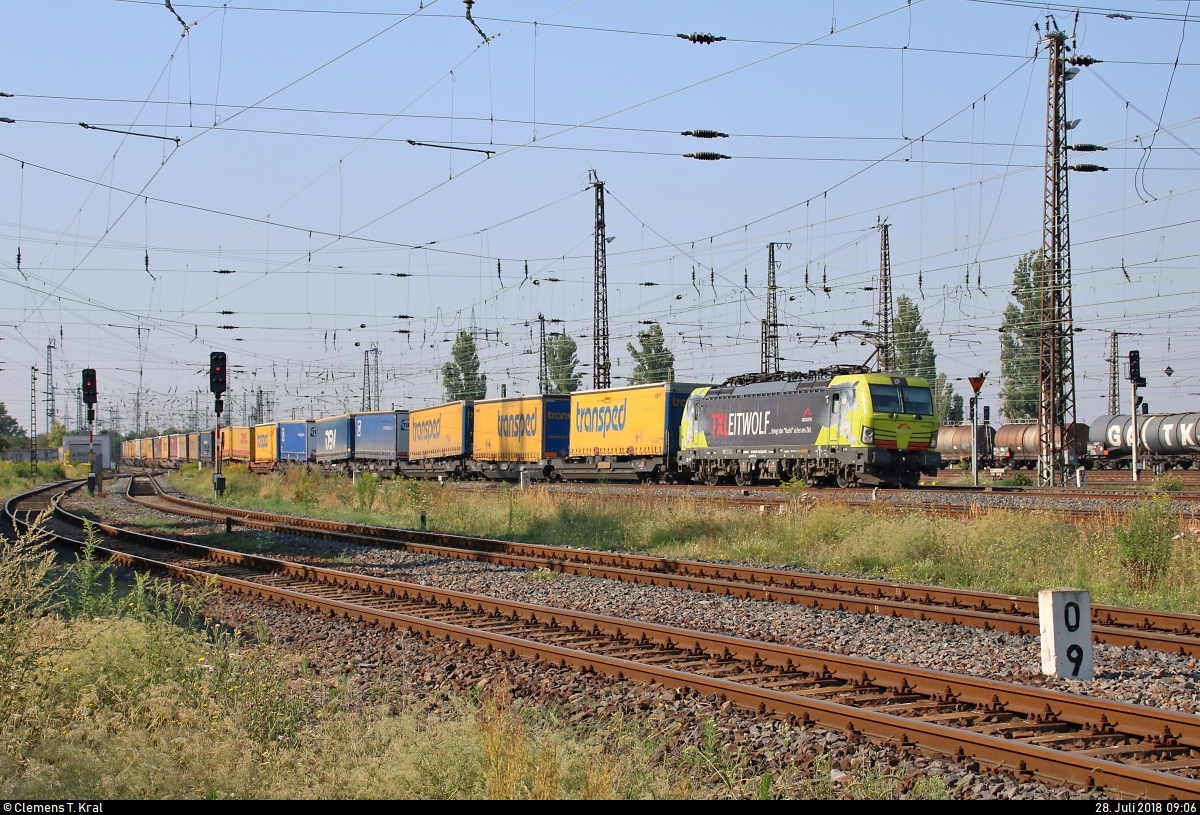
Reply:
x=601, y=367
x=1056, y=329
x=885, y=354
x=1114, y=369
x=51, y=413
x=770, y=326
x=1056, y=366
x=543, y=371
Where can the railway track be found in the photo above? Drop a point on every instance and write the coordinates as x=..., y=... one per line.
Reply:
x=1122, y=748
x=952, y=501
x=1112, y=625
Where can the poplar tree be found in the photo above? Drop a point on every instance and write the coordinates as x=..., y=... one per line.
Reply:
x=460, y=377
x=561, y=362
x=915, y=357
x=654, y=360
x=1019, y=341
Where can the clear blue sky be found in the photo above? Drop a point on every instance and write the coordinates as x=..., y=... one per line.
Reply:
x=293, y=171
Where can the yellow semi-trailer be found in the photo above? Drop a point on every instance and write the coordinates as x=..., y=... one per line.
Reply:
x=439, y=440
x=235, y=443
x=520, y=434
x=264, y=451
x=626, y=434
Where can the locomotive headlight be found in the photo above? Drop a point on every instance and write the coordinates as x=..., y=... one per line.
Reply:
x=868, y=435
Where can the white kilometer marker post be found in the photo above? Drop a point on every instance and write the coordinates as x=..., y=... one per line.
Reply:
x=1066, y=623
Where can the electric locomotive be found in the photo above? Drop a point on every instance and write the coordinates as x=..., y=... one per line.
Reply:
x=839, y=425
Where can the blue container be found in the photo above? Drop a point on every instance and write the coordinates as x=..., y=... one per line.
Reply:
x=402, y=435
x=334, y=439
x=297, y=441
x=206, y=447
x=375, y=436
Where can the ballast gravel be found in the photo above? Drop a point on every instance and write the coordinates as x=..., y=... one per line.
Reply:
x=1132, y=675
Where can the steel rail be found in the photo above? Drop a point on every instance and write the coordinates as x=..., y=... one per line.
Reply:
x=1172, y=632
x=1165, y=733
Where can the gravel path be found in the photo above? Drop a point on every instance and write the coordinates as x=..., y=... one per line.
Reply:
x=1133, y=675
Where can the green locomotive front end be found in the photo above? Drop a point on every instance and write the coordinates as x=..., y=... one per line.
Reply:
x=838, y=425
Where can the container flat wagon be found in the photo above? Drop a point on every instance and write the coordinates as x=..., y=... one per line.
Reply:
x=334, y=441
x=377, y=440
x=297, y=441
x=439, y=441
x=204, y=447
x=529, y=434
x=265, y=451
x=626, y=434
x=236, y=443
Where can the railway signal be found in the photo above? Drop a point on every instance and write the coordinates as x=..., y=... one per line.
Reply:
x=976, y=385
x=89, y=397
x=218, y=385
x=1136, y=380
x=216, y=373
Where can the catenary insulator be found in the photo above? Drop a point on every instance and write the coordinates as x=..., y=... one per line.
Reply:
x=705, y=134
x=707, y=39
x=706, y=156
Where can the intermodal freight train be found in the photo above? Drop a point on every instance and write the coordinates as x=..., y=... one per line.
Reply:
x=838, y=425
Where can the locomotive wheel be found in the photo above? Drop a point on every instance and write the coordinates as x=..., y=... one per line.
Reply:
x=744, y=479
x=712, y=477
x=809, y=479
x=843, y=480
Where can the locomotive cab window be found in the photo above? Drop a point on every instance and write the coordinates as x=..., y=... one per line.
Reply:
x=902, y=399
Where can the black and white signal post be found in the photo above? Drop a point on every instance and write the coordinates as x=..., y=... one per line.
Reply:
x=89, y=397
x=216, y=384
x=1136, y=380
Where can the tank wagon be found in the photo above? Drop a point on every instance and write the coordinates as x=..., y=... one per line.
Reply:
x=834, y=425
x=1165, y=440
x=1017, y=445
x=953, y=444
x=529, y=434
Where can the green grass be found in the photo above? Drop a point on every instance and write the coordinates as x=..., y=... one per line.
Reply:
x=15, y=477
x=1015, y=552
x=132, y=694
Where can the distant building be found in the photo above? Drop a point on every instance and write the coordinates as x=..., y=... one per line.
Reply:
x=74, y=450
x=43, y=454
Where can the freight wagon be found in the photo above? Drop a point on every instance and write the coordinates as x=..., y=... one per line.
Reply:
x=1018, y=445
x=204, y=447
x=298, y=441
x=1164, y=441
x=380, y=440
x=528, y=434
x=176, y=451
x=439, y=441
x=265, y=450
x=837, y=424
x=626, y=434
x=334, y=441
x=953, y=444
x=235, y=443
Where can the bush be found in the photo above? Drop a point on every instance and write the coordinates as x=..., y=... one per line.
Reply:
x=1170, y=482
x=1016, y=480
x=366, y=487
x=1145, y=545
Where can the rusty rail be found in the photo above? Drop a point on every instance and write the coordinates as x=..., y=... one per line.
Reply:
x=1113, y=625
x=1023, y=730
